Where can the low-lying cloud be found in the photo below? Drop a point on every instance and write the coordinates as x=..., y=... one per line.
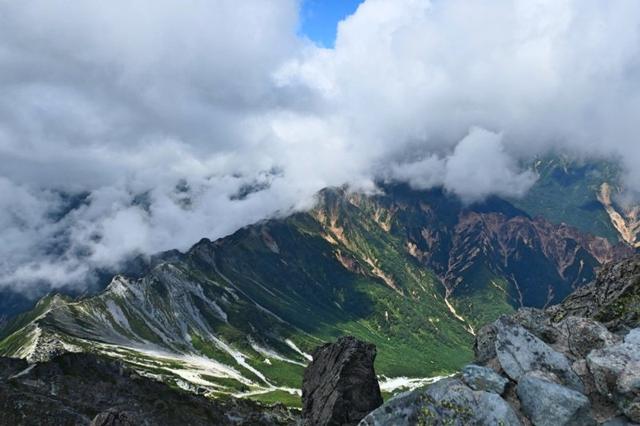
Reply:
x=141, y=126
x=477, y=167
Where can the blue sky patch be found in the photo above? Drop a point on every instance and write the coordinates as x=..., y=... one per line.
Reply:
x=319, y=18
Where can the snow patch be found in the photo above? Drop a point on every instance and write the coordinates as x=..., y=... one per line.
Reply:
x=390, y=384
x=295, y=348
x=269, y=353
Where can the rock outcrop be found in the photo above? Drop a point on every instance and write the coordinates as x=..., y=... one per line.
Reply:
x=559, y=366
x=612, y=299
x=340, y=385
x=112, y=418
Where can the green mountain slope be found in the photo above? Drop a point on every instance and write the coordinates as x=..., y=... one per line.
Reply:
x=567, y=192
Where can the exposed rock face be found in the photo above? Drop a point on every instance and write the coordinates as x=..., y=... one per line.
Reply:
x=113, y=418
x=510, y=243
x=483, y=252
x=626, y=219
x=340, y=385
x=613, y=298
x=544, y=367
x=72, y=388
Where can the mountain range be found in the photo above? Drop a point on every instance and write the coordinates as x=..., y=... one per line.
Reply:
x=414, y=272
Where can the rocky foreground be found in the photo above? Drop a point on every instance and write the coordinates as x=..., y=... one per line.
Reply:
x=577, y=363
x=84, y=389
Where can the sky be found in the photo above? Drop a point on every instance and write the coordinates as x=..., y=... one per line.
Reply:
x=319, y=18
x=133, y=127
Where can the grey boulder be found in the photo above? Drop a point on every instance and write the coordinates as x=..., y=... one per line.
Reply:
x=484, y=379
x=446, y=402
x=582, y=335
x=616, y=374
x=550, y=404
x=520, y=352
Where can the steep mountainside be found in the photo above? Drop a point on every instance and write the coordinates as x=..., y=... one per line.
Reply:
x=413, y=272
x=485, y=254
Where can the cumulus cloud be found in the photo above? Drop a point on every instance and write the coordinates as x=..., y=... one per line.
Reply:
x=477, y=167
x=138, y=126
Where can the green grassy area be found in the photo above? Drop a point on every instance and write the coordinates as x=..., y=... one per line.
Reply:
x=484, y=297
x=231, y=385
x=566, y=192
x=13, y=343
x=278, y=397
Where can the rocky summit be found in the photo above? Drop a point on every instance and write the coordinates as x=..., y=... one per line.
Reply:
x=558, y=366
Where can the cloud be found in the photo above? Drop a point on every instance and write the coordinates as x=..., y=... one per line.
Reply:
x=477, y=167
x=138, y=126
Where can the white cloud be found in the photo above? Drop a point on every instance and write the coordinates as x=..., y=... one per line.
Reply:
x=477, y=167
x=160, y=112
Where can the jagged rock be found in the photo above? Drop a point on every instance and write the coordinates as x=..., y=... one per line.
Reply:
x=616, y=373
x=582, y=335
x=520, y=352
x=484, y=346
x=113, y=418
x=340, y=385
x=47, y=346
x=484, y=407
x=550, y=404
x=483, y=378
x=446, y=402
x=632, y=410
x=613, y=298
x=537, y=322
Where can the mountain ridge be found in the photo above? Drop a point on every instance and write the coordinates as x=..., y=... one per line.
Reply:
x=415, y=272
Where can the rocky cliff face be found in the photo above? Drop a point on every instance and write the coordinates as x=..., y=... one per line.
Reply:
x=544, y=367
x=613, y=298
